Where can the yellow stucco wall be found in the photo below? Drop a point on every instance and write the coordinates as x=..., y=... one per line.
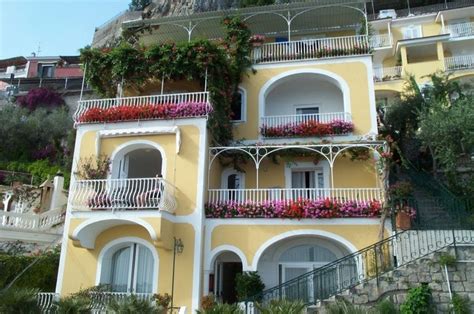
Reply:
x=181, y=169
x=252, y=237
x=81, y=264
x=347, y=173
x=351, y=72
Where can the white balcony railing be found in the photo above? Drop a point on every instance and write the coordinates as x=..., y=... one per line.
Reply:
x=459, y=62
x=387, y=74
x=311, y=49
x=298, y=119
x=29, y=221
x=242, y=196
x=380, y=41
x=123, y=194
x=460, y=30
x=165, y=99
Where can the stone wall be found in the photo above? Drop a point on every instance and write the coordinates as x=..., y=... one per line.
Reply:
x=395, y=284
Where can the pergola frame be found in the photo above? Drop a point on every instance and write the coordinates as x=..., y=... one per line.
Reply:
x=287, y=12
x=329, y=151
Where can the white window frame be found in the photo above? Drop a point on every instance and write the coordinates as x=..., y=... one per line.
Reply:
x=322, y=166
x=243, y=106
x=228, y=172
x=411, y=28
x=108, y=250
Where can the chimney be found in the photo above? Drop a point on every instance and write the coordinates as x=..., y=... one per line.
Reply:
x=57, y=197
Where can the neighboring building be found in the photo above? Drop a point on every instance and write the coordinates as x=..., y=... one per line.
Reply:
x=61, y=73
x=33, y=215
x=315, y=67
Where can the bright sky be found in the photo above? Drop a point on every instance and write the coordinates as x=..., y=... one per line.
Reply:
x=59, y=27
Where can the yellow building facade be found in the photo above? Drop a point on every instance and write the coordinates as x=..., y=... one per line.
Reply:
x=177, y=214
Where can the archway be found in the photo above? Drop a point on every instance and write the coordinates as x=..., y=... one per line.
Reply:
x=226, y=267
x=138, y=160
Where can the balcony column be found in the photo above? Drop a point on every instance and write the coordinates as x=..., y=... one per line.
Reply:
x=256, y=176
x=440, y=53
x=443, y=29
x=389, y=28
x=331, y=168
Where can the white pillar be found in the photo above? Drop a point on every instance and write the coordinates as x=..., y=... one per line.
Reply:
x=57, y=196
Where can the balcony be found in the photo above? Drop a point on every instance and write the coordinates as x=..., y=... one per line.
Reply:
x=459, y=63
x=380, y=41
x=304, y=125
x=123, y=194
x=32, y=222
x=387, y=74
x=311, y=49
x=294, y=203
x=460, y=30
x=167, y=106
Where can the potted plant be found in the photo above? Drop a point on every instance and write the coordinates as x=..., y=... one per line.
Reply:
x=404, y=216
x=257, y=40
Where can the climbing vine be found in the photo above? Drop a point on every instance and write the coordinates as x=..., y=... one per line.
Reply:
x=224, y=61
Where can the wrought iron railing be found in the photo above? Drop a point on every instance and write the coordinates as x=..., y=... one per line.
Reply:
x=123, y=194
x=311, y=49
x=361, y=266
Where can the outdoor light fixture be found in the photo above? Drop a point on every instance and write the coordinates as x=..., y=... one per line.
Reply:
x=178, y=247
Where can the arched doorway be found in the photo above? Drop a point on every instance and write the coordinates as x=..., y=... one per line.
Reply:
x=291, y=261
x=137, y=162
x=226, y=267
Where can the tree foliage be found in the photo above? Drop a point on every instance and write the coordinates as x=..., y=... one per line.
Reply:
x=138, y=5
x=222, y=62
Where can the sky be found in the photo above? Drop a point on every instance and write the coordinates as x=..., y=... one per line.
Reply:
x=58, y=27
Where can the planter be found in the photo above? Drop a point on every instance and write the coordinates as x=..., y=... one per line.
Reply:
x=403, y=221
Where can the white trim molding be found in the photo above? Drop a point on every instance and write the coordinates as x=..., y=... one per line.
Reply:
x=212, y=256
x=125, y=240
x=87, y=232
x=294, y=233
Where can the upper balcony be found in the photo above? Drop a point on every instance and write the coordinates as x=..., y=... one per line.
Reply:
x=166, y=106
x=331, y=47
x=460, y=30
x=123, y=194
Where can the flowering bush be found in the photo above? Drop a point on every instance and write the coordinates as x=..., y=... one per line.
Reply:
x=410, y=211
x=308, y=128
x=400, y=189
x=302, y=208
x=40, y=97
x=164, y=111
x=93, y=168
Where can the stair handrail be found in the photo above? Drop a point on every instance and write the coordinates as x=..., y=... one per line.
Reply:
x=370, y=262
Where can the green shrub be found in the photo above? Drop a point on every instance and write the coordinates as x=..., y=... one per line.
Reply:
x=248, y=284
x=19, y=301
x=460, y=304
x=418, y=301
x=222, y=308
x=42, y=275
x=132, y=305
x=447, y=260
x=282, y=307
x=344, y=307
x=386, y=307
x=73, y=304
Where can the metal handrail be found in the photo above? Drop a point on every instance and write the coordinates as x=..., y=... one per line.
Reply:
x=366, y=264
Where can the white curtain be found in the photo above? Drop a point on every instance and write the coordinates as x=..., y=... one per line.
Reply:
x=120, y=270
x=144, y=268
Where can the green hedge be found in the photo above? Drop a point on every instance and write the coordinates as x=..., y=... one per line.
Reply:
x=42, y=275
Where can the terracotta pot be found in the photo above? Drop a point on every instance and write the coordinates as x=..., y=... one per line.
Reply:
x=403, y=221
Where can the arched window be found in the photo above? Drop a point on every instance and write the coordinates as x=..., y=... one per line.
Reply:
x=128, y=267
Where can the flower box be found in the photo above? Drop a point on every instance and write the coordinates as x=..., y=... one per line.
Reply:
x=145, y=112
x=308, y=128
x=299, y=209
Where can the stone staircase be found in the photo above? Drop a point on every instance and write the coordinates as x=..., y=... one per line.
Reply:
x=394, y=285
